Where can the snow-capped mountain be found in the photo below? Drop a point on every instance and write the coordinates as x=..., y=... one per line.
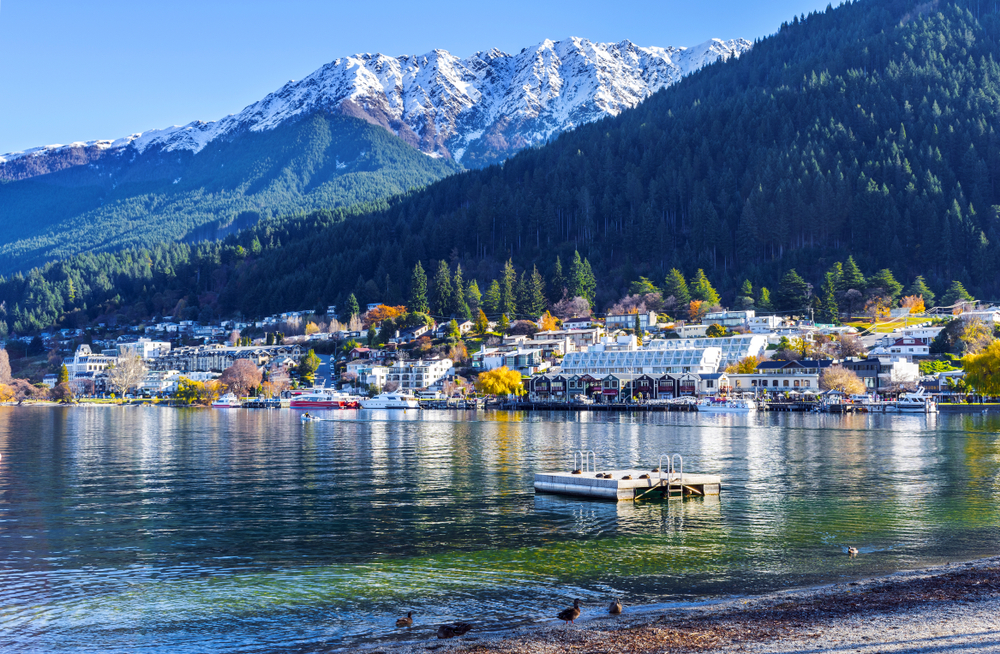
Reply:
x=475, y=110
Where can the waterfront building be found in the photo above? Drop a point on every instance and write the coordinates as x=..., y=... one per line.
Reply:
x=733, y=348
x=216, y=358
x=416, y=375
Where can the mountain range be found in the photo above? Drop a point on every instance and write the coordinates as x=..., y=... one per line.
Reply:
x=477, y=110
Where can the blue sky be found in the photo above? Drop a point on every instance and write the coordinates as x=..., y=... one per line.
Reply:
x=77, y=70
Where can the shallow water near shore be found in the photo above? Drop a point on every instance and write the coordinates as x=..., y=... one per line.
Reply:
x=166, y=530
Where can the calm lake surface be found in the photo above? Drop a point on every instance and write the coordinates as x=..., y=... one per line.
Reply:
x=166, y=530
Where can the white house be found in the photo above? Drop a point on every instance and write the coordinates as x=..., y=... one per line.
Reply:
x=415, y=375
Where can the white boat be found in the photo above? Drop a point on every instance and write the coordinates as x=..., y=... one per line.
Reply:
x=391, y=401
x=319, y=398
x=723, y=405
x=916, y=403
x=227, y=401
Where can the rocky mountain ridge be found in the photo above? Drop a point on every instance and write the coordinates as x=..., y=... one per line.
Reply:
x=477, y=110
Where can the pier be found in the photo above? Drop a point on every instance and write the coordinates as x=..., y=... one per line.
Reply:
x=660, y=483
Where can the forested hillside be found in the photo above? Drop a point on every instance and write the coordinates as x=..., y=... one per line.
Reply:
x=141, y=199
x=865, y=130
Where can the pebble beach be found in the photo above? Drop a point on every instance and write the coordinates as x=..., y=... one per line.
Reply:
x=950, y=608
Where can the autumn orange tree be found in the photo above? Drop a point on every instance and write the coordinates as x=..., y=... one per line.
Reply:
x=382, y=312
x=696, y=310
x=914, y=303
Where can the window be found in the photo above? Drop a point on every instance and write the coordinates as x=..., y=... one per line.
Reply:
x=786, y=383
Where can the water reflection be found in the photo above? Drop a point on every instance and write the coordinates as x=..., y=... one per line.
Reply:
x=125, y=529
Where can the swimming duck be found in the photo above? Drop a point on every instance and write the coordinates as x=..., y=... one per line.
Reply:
x=616, y=607
x=852, y=552
x=452, y=630
x=570, y=615
x=405, y=622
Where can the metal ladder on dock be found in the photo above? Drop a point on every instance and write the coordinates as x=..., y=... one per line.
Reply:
x=671, y=482
x=584, y=457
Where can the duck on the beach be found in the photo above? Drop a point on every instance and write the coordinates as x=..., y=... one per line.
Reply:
x=405, y=622
x=452, y=630
x=571, y=614
x=852, y=552
x=616, y=607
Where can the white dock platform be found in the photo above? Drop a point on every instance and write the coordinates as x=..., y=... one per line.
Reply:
x=597, y=486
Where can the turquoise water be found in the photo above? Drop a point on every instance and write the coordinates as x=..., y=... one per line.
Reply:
x=164, y=530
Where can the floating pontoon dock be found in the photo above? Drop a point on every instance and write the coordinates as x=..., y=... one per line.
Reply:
x=660, y=483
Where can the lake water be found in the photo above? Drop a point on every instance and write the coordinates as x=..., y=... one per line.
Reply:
x=166, y=530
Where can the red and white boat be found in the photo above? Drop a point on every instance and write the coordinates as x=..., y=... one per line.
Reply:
x=324, y=399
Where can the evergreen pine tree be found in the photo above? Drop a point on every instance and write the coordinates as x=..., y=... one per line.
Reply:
x=852, y=276
x=491, y=301
x=473, y=298
x=460, y=307
x=504, y=325
x=701, y=289
x=508, y=289
x=588, y=283
x=575, y=282
x=523, y=296
x=793, y=293
x=919, y=287
x=674, y=286
x=885, y=282
x=955, y=293
x=557, y=283
x=829, y=312
x=537, y=303
x=418, y=291
x=351, y=309
x=764, y=300
x=441, y=298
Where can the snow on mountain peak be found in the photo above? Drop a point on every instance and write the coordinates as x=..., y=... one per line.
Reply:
x=492, y=103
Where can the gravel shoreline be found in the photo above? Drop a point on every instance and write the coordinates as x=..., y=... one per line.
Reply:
x=953, y=608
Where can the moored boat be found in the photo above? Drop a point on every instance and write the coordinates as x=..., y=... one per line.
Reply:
x=391, y=401
x=323, y=399
x=726, y=405
x=227, y=401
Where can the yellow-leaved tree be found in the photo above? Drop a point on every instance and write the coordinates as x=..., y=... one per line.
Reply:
x=548, y=322
x=743, y=367
x=500, y=381
x=915, y=303
x=982, y=370
x=6, y=393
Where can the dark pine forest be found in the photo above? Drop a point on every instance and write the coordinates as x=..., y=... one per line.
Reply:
x=866, y=130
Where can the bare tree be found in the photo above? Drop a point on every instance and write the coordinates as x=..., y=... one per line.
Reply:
x=126, y=374
x=390, y=386
x=234, y=337
x=841, y=379
x=241, y=377
x=849, y=345
x=571, y=308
